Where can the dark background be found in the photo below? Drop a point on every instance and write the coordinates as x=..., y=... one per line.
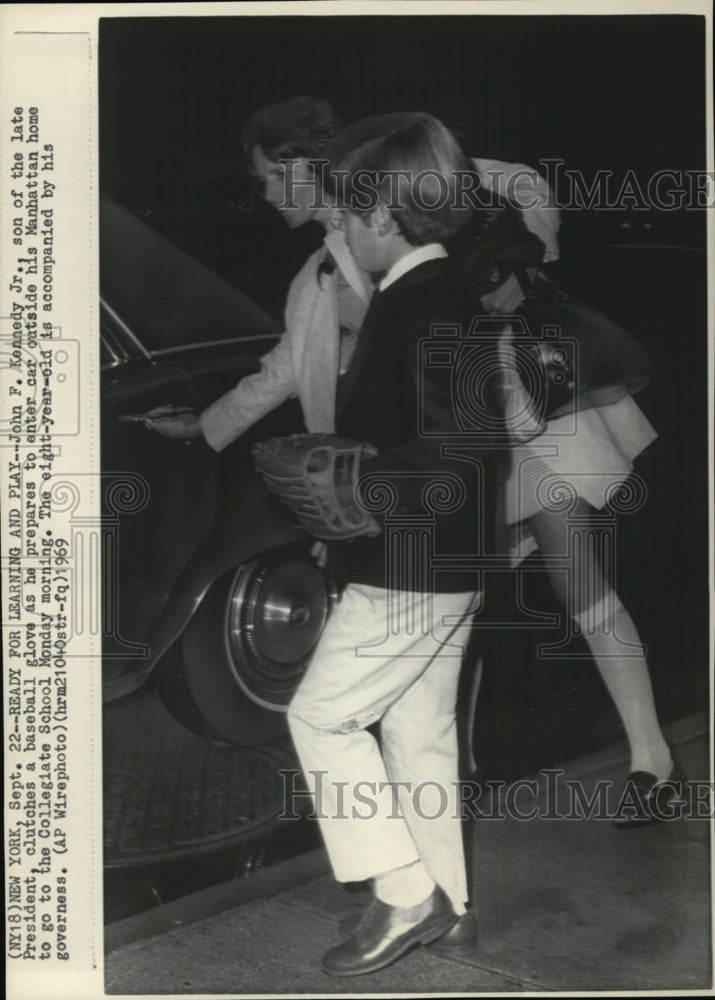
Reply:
x=616, y=93
x=613, y=93
x=599, y=91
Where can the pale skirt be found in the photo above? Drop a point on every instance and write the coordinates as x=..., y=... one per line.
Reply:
x=587, y=454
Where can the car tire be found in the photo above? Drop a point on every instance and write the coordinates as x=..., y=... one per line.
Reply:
x=247, y=647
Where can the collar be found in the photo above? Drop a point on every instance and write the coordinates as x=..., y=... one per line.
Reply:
x=431, y=251
x=338, y=248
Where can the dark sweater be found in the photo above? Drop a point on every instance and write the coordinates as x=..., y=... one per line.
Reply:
x=405, y=406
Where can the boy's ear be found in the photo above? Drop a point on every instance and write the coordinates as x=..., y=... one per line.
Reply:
x=382, y=221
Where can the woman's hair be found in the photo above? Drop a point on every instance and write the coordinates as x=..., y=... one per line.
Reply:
x=411, y=163
x=301, y=126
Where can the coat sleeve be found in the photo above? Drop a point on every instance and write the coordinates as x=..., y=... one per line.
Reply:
x=256, y=395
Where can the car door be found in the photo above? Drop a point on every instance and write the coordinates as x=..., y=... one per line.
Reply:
x=158, y=498
x=173, y=334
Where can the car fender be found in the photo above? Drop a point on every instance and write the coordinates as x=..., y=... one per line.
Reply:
x=229, y=545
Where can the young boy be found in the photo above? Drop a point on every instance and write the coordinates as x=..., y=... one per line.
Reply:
x=391, y=652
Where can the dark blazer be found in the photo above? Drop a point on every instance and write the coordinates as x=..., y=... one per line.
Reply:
x=435, y=471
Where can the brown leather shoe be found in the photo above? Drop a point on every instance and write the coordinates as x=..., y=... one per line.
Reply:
x=462, y=939
x=386, y=933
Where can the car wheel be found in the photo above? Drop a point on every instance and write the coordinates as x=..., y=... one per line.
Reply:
x=248, y=645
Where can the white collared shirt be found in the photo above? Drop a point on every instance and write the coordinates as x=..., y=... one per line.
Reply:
x=431, y=251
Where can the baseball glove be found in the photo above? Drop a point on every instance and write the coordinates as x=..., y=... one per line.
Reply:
x=315, y=475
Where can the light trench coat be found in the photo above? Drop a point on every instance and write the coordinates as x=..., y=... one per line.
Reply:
x=304, y=362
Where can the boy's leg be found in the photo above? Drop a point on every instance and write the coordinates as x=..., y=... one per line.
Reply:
x=343, y=692
x=419, y=747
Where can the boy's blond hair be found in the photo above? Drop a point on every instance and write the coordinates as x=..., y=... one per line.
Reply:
x=411, y=163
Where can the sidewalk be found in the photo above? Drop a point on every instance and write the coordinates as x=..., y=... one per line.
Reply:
x=564, y=905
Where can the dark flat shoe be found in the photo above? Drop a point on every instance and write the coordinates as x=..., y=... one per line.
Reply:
x=462, y=939
x=647, y=800
x=386, y=933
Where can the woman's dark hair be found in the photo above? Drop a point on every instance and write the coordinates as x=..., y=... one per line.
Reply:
x=301, y=126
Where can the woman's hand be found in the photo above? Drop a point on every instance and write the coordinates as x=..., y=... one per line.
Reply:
x=166, y=421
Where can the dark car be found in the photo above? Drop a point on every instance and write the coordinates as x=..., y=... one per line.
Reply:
x=209, y=588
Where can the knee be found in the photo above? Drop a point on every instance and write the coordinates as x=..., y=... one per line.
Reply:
x=299, y=714
x=322, y=717
x=308, y=712
x=599, y=614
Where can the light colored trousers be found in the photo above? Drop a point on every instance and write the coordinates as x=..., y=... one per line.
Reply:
x=394, y=657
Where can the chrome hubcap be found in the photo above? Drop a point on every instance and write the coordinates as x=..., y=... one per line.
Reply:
x=276, y=613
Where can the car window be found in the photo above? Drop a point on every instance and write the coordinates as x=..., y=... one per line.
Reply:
x=164, y=297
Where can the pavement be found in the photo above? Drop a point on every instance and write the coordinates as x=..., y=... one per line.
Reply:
x=564, y=905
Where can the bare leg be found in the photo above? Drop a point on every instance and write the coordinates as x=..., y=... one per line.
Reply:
x=606, y=625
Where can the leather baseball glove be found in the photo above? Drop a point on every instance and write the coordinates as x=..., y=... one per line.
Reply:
x=315, y=475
